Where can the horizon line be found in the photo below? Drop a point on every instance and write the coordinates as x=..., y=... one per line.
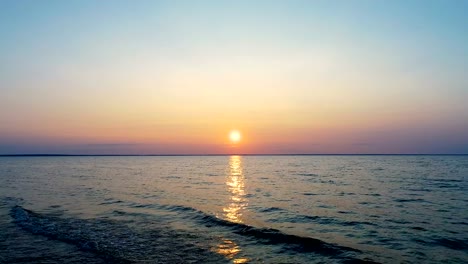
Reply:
x=234, y=154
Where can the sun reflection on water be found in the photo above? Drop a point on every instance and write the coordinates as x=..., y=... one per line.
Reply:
x=235, y=183
x=229, y=249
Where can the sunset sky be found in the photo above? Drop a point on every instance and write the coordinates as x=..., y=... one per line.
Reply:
x=176, y=77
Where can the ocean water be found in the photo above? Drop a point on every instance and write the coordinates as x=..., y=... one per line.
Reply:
x=234, y=209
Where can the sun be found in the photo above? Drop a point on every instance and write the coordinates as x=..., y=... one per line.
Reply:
x=234, y=136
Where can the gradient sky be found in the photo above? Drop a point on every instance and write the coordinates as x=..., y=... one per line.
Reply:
x=174, y=77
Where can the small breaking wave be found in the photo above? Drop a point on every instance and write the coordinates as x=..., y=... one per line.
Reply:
x=307, y=174
x=452, y=243
x=270, y=236
x=114, y=241
x=274, y=236
x=265, y=236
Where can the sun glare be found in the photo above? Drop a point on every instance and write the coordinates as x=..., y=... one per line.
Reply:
x=234, y=136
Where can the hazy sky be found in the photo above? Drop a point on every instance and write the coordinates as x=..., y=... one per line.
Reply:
x=139, y=77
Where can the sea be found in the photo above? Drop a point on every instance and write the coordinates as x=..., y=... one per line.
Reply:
x=234, y=209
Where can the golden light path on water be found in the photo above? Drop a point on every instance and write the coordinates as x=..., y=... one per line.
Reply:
x=235, y=183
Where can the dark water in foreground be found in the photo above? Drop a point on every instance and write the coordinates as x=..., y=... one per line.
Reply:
x=221, y=209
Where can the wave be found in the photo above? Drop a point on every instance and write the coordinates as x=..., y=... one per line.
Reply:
x=307, y=174
x=452, y=243
x=274, y=236
x=285, y=216
x=270, y=236
x=118, y=243
x=115, y=241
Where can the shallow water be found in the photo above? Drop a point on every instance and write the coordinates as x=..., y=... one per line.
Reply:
x=234, y=209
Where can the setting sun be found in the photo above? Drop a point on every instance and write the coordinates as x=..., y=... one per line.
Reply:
x=234, y=136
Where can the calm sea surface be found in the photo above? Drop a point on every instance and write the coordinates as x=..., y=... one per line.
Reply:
x=234, y=209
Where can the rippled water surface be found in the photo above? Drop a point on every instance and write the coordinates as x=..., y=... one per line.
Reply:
x=234, y=209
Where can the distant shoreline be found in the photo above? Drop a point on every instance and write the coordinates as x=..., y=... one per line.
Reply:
x=210, y=155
